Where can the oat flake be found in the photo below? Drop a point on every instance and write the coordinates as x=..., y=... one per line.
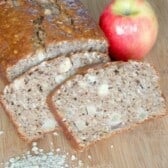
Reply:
x=38, y=159
x=1, y=132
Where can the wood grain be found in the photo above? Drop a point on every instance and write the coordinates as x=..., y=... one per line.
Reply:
x=143, y=147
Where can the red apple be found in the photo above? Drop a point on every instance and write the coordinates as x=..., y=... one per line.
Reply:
x=131, y=28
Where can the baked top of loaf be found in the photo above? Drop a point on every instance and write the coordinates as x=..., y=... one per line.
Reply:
x=107, y=99
x=25, y=98
x=31, y=29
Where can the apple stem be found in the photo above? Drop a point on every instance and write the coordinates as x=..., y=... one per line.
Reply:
x=125, y=7
x=127, y=12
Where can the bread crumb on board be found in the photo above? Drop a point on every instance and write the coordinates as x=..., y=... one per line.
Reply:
x=112, y=146
x=73, y=157
x=58, y=150
x=37, y=158
x=1, y=132
x=89, y=157
x=55, y=133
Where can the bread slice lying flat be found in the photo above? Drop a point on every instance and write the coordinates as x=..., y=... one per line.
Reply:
x=106, y=99
x=33, y=31
x=25, y=99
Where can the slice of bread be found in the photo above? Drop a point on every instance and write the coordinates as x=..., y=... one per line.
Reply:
x=25, y=98
x=105, y=100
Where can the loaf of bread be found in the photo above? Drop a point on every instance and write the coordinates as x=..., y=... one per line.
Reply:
x=25, y=98
x=104, y=100
x=33, y=31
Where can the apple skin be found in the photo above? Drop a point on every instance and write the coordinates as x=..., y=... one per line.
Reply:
x=131, y=32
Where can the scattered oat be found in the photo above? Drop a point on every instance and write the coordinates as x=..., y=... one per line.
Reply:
x=12, y=160
x=58, y=150
x=41, y=150
x=35, y=150
x=34, y=144
x=66, y=166
x=38, y=161
x=111, y=146
x=37, y=158
x=1, y=132
x=89, y=157
x=80, y=163
x=55, y=133
x=73, y=157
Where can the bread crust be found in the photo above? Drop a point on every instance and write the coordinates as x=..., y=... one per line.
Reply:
x=30, y=26
x=65, y=127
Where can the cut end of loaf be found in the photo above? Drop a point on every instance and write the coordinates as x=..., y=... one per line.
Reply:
x=54, y=50
x=106, y=100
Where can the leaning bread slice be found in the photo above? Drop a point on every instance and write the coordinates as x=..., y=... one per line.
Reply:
x=25, y=99
x=106, y=99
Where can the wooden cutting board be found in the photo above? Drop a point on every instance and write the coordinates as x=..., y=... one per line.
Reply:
x=143, y=147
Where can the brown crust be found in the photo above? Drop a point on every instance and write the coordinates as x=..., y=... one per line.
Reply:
x=16, y=36
x=3, y=76
x=66, y=20
x=65, y=127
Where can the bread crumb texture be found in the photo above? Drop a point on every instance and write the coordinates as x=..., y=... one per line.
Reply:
x=107, y=99
x=37, y=158
x=25, y=98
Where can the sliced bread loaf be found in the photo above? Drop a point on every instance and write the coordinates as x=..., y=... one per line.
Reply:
x=25, y=98
x=33, y=31
x=106, y=99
